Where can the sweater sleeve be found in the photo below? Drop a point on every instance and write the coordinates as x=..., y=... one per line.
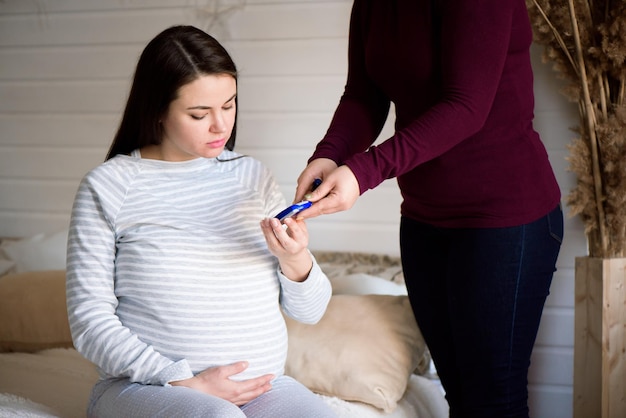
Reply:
x=96, y=330
x=306, y=301
x=363, y=107
x=474, y=43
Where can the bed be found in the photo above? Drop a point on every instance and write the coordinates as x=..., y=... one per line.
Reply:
x=366, y=358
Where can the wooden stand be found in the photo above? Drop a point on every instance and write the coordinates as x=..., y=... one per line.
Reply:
x=600, y=338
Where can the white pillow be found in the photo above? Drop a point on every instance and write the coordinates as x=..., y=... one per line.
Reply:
x=366, y=284
x=41, y=252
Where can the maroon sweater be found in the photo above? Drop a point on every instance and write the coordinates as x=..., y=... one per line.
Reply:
x=459, y=74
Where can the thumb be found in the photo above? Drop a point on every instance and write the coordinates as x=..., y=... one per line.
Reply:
x=302, y=189
x=320, y=192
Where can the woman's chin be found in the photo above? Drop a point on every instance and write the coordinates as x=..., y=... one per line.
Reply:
x=212, y=153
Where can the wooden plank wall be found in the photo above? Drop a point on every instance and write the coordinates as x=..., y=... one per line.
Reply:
x=65, y=68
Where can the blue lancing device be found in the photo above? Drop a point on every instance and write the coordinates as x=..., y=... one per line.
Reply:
x=298, y=207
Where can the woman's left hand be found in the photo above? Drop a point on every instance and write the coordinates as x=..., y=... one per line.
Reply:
x=288, y=241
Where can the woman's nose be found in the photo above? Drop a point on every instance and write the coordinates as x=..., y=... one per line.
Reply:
x=218, y=124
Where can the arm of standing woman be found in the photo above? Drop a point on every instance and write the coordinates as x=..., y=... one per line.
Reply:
x=466, y=60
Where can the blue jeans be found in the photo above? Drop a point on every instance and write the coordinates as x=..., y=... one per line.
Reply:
x=478, y=295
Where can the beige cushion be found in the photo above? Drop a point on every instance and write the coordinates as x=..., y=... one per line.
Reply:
x=33, y=313
x=363, y=349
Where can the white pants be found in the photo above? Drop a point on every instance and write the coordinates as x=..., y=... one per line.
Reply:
x=116, y=398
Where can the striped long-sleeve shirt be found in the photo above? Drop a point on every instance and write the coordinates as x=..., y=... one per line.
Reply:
x=168, y=271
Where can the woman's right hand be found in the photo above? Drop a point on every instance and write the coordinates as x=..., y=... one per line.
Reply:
x=338, y=191
x=217, y=381
x=319, y=168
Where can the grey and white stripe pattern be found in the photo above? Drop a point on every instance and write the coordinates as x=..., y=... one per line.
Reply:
x=168, y=272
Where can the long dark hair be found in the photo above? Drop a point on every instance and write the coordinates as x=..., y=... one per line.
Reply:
x=174, y=58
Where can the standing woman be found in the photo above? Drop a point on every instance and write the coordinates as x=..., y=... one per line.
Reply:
x=176, y=275
x=481, y=224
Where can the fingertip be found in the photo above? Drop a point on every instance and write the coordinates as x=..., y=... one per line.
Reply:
x=302, y=216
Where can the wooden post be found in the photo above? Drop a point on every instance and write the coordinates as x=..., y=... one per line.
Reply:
x=600, y=338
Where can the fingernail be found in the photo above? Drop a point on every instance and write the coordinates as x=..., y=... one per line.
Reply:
x=308, y=196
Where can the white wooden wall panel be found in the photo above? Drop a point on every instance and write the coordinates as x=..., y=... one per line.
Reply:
x=549, y=401
x=257, y=131
x=63, y=130
x=286, y=20
x=69, y=62
x=557, y=327
x=38, y=195
x=253, y=58
x=551, y=366
x=73, y=6
x=289, y=20
x=50, y=162
x=65, y=67
x=562, y=291
x=290, y=57
x=82, y=96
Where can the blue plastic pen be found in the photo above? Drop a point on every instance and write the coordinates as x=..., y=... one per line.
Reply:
x=298, y=207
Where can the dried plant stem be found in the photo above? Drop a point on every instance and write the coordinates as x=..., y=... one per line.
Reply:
x=585, y=39
x=590, y=119
x=557, y=36
x=603, y=83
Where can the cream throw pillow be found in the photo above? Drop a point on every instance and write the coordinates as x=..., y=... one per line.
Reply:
x=363, y=349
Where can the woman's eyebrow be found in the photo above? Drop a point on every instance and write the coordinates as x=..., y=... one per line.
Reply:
x=201, y=107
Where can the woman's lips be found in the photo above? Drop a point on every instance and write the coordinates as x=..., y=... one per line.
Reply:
x=217, y=144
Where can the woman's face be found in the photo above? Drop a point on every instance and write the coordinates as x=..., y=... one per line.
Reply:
x=200, y=120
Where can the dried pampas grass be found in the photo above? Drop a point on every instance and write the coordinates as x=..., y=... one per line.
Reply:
x=586, y=42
